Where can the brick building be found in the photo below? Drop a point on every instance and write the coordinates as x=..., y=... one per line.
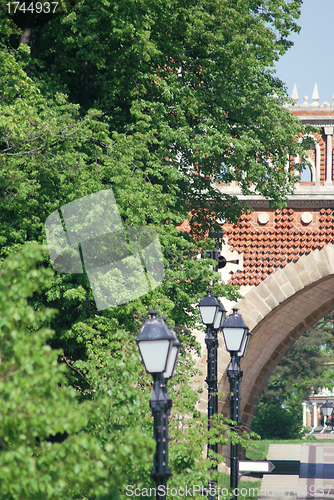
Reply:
x=285, y=264
x=312, y=415
x=270, y=239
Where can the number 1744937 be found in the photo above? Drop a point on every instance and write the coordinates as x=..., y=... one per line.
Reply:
x=32, y=7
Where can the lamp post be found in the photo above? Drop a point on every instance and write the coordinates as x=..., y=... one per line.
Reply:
x=326, y=410
x=236, y=336
x=219, y=320
x=159, y=348
x=213, y=314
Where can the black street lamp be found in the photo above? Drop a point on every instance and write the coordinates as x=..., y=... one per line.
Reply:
x=236, y=336
x=159, y=348
x=326, y=410
x=213, y=314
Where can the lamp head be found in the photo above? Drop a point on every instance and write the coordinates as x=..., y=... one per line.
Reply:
x=235, y=333
x=326, y=409
x=208, y=308
x=155, y=342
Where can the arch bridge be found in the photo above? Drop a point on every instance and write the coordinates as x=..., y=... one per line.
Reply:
x=286, y=264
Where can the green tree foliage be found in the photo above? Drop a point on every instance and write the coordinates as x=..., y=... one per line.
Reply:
x=302, y=368
x=45, y=452
x=154, y=100
x=61, y=162
x=187, y=83
x=305, y=368
x=272, y=421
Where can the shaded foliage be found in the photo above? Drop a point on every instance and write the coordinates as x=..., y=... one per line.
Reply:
x=272, y=421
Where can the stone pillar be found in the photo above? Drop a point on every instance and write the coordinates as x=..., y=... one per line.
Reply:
x=315, y=415
x=309, y=417
x=329, y=155
x=304, y=414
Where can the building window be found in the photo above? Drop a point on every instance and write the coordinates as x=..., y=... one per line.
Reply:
x=306, y=174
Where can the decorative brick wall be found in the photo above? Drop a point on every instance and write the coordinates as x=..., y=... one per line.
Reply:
x=284, y=238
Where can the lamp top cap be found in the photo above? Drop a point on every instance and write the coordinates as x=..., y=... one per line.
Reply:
x=208, y=300
x=153, y=313
x=235, y=320
x=155, y=329
x=170, y=329
x=327, y=404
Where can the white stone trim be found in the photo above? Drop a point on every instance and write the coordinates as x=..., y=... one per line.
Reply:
x=304, y=414
x=315, y=169
x=315, y=414
x=329, y=155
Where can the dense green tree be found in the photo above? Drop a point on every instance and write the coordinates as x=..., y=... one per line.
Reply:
x=273, y=421
x=98, y=348
x=45, y=451
x=188, y=83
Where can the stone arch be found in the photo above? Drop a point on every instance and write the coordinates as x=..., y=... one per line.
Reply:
x=278, y=311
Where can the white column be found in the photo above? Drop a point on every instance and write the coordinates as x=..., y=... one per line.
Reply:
x=315, y=415
x=329, y=155
x=317, y=163
x=304, y=415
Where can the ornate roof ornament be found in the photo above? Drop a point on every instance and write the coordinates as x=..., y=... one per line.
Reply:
x=294, y=94
x=315, y=96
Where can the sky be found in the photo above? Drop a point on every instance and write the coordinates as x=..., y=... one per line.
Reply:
x=311, y=59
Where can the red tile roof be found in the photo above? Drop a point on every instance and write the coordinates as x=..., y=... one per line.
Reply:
x=282, y=240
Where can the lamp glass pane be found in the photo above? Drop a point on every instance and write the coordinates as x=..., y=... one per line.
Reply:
x=171, y=362
x=233, y=338
x=244, y=345
x=208, y=314
x=222, y=318
x=218, y=319
x=327, y=411
x=154, y=354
